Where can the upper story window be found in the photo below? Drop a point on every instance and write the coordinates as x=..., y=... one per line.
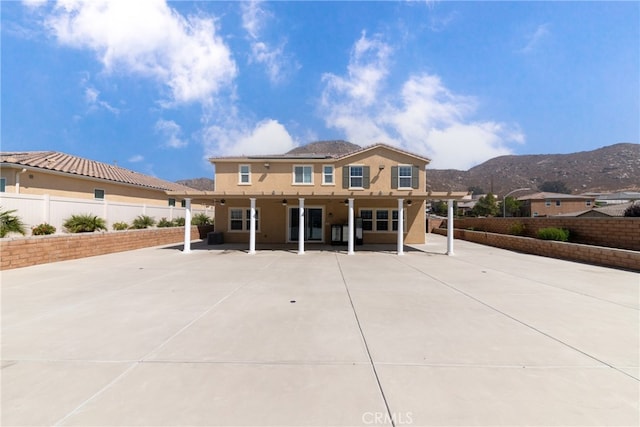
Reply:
x=558, y=202
x=98, y=194
x=405, y=177
x=547, y=203
x=303, y=174
x=588, y=202
x=327, y=175
x=244, y=174
x=356, y=175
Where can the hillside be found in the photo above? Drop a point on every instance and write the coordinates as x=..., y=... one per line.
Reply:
x=608, y=169
x=206, y=184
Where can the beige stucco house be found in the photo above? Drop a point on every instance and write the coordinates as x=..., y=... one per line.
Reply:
x=551, y=204
x=64, y=175
x=324, y=192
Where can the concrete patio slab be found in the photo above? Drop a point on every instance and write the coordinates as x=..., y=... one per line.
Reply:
x=219, y=337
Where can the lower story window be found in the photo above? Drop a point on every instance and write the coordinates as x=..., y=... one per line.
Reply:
x=240, y=219
x=378, y=220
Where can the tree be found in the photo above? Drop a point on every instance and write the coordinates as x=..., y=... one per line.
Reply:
x=474, y=189
x=554, y=187
x=633, y=210
x=511, y=207
x=486, y=206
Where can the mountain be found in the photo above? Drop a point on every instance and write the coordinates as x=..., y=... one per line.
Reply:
x=608, y=169
x=206, y=184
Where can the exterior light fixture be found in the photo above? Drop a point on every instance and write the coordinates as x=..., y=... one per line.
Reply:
x=381, y=167
x=267, y=165
x=346, y=202
x=284, y=202
x=408, y=202
x=222, y=202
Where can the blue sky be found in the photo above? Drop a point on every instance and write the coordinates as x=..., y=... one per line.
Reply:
x=159, y=87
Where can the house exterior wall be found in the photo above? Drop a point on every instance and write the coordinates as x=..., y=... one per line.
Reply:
x=272, y=181
x=41, y=182
x=540, y=208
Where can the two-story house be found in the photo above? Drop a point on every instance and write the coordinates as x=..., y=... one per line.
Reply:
x=377, y=193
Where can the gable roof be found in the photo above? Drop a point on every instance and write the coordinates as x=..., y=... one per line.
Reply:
x=73, y=165
x=323, y=150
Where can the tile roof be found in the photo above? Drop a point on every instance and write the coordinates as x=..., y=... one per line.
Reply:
x=73, y=165
x=545, y=196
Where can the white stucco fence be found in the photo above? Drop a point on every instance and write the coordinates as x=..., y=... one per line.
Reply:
x=36, y=209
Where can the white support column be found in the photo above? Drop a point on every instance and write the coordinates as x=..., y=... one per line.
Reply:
x=301, y=226
x=252, y=226
x=400, y=227
x=351, y=229
x=187, y=226
x=450, y=227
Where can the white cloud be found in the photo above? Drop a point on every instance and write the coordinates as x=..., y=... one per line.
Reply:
x=534, y=40
x=426, y=117
x=170, y=130
x=266, y=137
x=136, y=158
x=276, y=63
x=92, y=97
x=150, y=39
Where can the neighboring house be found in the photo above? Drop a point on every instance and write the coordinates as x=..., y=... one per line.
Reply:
x=309, y=194
x=60, y=174
x=614, y=198
x=551, y=204
x=608, y=211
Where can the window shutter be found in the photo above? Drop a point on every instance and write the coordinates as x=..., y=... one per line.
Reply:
x=394, y=177
x=415, y=177
x=345, y=177
x=365, y=177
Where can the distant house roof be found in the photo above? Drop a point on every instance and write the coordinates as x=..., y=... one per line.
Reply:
x=554, y=196
x=609, y=210
x=323, y=150
x=73, y=165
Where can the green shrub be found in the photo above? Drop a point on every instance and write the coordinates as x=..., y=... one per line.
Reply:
x=43, y=229
x=179, y=222
x=633, y=210
x=517, y=229
x=84, y=223
x=143, y=221
x=201, y=219
x=119, y=226
x=164, y=222
x=10, y=223
x=552, y=233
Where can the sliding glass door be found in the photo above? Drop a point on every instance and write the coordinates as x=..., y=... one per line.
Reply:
x=313, y=230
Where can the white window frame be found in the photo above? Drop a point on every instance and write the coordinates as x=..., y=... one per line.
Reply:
x=247, y=174
x=547, y=203
x=361, y=177
x=588, y=203
x=303, y=169
x=104, y=194
x=389, y=220
x=325, y=174
x=409, y=177
x=558, y=203
x=245, y=218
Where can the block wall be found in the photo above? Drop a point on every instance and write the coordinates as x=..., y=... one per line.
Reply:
x=597, y=255
x=24, y=252
x=621, y=233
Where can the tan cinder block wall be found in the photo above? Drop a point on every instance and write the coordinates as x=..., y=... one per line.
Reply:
x=24, y=252
x=597, y=255
x=620, y=232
